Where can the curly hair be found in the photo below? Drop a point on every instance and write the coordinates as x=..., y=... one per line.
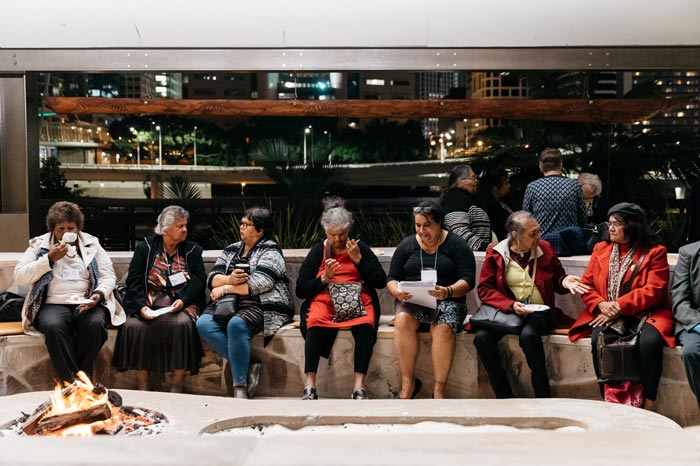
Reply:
x=64, y=211
x=335, y=215
x=168, y=216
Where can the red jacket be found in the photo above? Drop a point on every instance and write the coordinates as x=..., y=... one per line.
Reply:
x=649, y=291
x=494, y=290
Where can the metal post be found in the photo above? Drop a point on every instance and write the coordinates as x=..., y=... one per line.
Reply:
x=195, y=146
x=160, y=147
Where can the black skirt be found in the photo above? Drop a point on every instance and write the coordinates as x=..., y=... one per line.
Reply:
x=167, y=343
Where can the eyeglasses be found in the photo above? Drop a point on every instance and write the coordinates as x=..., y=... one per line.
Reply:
x=420, y=210
x=472, y=178
x=246, y=225
x=615, y=224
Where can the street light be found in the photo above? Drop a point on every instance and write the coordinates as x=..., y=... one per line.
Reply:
x=138, y=145
x=330, y=153
x=443, y=151
x=195, y=146
x=306, y=131
x=160, y=147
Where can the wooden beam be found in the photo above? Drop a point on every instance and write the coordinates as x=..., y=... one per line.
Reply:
x=570, y=110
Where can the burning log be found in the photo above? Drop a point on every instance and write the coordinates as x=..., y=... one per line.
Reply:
x=92, y=414
x=30, y=425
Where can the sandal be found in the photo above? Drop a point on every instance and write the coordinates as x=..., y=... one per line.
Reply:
x=310, y=394
x=360, y=394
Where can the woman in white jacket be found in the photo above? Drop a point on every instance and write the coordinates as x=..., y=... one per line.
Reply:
x=71, y=300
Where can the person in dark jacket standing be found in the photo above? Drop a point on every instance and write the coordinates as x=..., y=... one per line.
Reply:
x=164, y=295
x=338, y=260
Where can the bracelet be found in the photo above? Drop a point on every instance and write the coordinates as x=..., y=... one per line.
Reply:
x=449, y=292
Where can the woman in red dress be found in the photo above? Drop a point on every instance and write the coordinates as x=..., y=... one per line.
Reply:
x=339, y=260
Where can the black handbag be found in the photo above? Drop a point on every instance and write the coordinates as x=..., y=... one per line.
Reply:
x=489, y=318
x=618, y=355
x=11, y=307
x=225, y=308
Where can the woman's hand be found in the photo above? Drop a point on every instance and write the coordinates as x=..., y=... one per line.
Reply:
x=144, y=313
x=573, y=284
x=520, y=309
x=331, y=266
x=218, y=292
x=57, y=252
x=237, y=277
x=94, y=300
x=440, y=292
x=599, y=321
x=353, y=251
x=393, y=288
x=177, y=305
x=610, y=309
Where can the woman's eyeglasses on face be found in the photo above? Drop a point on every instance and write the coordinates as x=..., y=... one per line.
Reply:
x=615, y=224
x=246, y=225
x=420, y=210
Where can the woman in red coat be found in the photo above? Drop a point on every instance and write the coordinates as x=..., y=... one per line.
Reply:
x=631, y=246
x=522, y=270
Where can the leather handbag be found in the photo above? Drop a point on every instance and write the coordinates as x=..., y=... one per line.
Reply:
x=618, y=355
x=489, y=318
x=225, y=308
x=11, y=307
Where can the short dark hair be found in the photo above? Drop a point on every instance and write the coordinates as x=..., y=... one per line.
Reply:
x=64, y=211
x=551, y=159
x=430, y=209
x=492, y=178
x=262, y=220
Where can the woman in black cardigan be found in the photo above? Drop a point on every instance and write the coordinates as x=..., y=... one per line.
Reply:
x=166, y=271
x=338, y=259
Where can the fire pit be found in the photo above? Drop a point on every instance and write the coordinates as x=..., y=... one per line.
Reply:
x=83, y=409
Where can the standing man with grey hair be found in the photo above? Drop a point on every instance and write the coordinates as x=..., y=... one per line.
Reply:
x=555, y=200
x=685, y=293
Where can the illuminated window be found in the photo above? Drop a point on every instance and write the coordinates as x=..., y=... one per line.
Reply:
x=374, y=82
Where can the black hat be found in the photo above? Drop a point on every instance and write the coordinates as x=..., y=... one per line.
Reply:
x=627, y=210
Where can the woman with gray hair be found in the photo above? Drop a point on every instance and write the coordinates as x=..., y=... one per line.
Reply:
x=164, y=294
x=592, y=188
x=338, y=281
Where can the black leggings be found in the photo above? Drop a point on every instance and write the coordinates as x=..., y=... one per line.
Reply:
x=651, y=357
x=323, y=337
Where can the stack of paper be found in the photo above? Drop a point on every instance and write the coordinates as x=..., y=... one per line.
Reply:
x=419, y=293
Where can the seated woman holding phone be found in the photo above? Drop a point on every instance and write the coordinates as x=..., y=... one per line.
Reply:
x=338, y=281
x=249, y=294
x=164, y=295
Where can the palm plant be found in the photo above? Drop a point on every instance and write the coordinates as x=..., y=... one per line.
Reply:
x=179, y=187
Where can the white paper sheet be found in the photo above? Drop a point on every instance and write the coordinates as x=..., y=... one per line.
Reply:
x=419, y=293
x=159, y=312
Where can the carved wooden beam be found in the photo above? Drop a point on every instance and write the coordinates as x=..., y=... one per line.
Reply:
x=571, y=110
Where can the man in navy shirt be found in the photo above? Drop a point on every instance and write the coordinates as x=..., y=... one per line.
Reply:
x=555, y=200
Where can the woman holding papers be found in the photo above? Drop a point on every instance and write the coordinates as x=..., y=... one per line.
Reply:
x=442, y=261
x=338, y=281
x=164, y=293
x=521, y=274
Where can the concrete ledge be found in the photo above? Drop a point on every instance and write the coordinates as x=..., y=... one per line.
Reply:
x=25, y=366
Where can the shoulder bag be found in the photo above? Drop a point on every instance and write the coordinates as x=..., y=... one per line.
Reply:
x=618, y=354
x=489, y=318
x=11, y=307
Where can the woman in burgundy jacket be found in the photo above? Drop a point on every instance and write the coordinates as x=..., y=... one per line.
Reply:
x=519, y=271
x=630, y=246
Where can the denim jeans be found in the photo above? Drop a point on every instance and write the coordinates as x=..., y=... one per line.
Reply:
x=231, y=342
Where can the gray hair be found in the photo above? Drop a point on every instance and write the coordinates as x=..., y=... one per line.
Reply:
x=168, y=216
x=593, y=181
x=516, y=222
x=335, y=215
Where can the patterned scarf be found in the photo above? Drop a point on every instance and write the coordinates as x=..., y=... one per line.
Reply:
x=37, y=294
x=616, y=273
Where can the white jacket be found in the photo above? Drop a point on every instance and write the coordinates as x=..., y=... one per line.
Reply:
x=29, y=270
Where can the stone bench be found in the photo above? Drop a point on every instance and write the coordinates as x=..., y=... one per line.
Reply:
x=24, y=363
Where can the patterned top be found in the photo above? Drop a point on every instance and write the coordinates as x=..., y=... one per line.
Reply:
x=267, y=279
x=556, y=201
x=464, y=218
x=159, y=293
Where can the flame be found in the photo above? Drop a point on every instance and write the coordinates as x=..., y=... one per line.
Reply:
x=80, y=397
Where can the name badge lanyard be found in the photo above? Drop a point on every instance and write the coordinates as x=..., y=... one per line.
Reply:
x=421, y=259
